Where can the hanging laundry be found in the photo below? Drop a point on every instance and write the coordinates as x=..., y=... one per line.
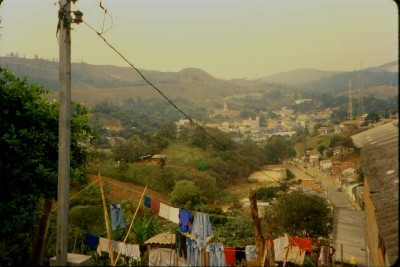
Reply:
x=155, y=205
x=216, y=254
x=103, y=245
x=300, y=257
x=230, y=253
x=147, y=201
x=194, y=253
x=91, y=241
x=164, y=211
x=190, y=251
x=292, y=253
x=240, y=255
x=202, y=228
x=184, y=221
x=180, y=241
x=324, y=256
x=250, y=251
x=132, y=251
x=116, y=217
x=174, y=215
x=304, y=243
x=125, y=249
x=280, y=247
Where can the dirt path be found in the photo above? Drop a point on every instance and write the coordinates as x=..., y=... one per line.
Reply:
x=118, y=190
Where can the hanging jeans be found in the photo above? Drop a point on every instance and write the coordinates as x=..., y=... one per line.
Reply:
x=116, y=217
x=217, y=255
x=202, y=228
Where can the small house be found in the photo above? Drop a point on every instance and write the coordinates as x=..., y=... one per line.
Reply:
x=325, y=165
x=161, y=249
x=159, y=158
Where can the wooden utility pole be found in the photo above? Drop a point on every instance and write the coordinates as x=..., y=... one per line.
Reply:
x=256, y=222
x=64, y=131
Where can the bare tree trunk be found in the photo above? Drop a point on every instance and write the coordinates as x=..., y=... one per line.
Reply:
x=42, y=233
x=256, y=221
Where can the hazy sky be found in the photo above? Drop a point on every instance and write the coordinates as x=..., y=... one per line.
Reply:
x=228, y=39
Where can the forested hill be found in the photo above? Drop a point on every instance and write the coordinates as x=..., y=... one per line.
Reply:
x=95, y=83
x=92, y=84
x=340, y=82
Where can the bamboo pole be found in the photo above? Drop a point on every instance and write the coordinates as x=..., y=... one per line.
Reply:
x=130, y=226
x=110, y=250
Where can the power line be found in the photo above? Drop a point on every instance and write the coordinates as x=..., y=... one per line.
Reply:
x=174, y=105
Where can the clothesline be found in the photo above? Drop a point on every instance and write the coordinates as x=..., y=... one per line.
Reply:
x=79, y=192
x=170, y=204
x=161, y=201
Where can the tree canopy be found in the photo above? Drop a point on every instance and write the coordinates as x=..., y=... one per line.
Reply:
x=278, y=148
x=301, y=214
x=29, y=160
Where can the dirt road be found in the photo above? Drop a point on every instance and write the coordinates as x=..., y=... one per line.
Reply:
x=118, y=190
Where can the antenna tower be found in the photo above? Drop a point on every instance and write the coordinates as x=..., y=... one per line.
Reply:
x=361, y=87
x=350, y=106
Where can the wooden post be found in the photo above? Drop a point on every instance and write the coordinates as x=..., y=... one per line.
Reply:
x=103, y=198
x=64, y=132
x=260, y=242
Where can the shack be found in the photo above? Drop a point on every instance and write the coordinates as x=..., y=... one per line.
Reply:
x=161, y=249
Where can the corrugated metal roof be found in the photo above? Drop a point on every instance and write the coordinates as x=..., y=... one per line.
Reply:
x=380, y=159
x=376, y=134
x=161, y=239
x=381, y=162
x=348, y=231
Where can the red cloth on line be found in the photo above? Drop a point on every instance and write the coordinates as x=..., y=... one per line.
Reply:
x=230, y=253
x=155, y=205
x=304, y=243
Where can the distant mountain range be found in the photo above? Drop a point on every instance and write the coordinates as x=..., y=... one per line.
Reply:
x=95, y=83
x=389, y=67
x=298, y=76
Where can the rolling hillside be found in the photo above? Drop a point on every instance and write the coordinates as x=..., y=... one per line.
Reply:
x=299, y=76
x=92, y=84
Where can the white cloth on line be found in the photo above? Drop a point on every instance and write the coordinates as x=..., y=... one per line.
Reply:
x=129, y=250
x=164, y=211
x=174, y=215
x=281, y=245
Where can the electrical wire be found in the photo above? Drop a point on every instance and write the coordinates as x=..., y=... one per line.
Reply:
x=193, y=122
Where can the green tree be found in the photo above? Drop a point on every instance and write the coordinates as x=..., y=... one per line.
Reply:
x=289, y=175
x=339, y=140
x=321, y=149
x=130, y=150
x=267, y=193
x=28, y=165
x=235, y=232
x=278, y=148
x=145, y=227
x=300, y=214
x=186, y=194
x=372, y=117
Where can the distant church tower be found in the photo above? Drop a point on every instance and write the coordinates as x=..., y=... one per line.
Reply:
x=225, y=107
x=350, y=107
